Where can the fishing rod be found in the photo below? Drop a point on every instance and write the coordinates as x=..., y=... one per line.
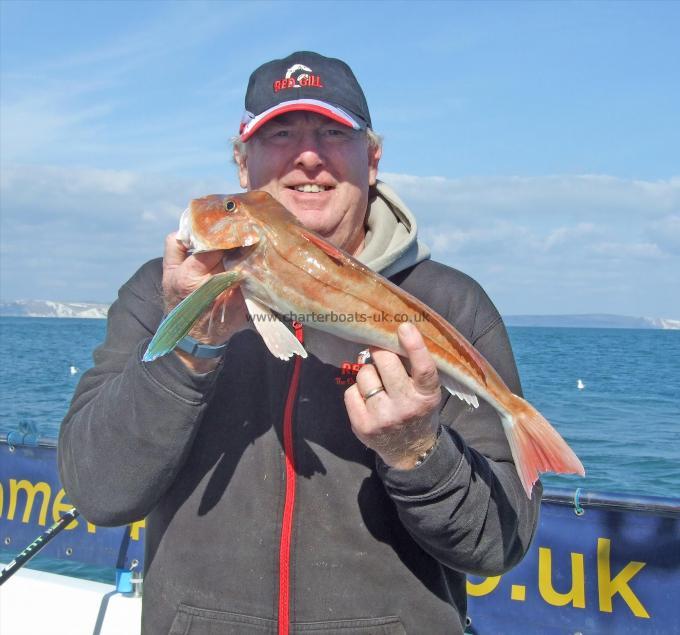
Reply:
x=37, y=545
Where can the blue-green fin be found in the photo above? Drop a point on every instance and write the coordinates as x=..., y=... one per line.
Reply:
x=180, y=320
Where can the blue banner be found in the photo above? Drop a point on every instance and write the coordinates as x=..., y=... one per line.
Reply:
x=607, y=564
x=32, y=498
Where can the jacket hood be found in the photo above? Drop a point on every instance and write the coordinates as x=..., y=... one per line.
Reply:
x=391, y=243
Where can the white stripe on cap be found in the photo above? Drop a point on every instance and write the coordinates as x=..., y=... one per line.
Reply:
x=249, y=123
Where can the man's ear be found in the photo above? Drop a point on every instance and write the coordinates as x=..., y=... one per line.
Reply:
x=374, y=154
x=242, y=163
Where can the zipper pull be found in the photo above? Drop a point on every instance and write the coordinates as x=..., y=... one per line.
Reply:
x=299, y=333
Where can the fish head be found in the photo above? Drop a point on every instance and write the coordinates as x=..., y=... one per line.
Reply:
x=220, y=221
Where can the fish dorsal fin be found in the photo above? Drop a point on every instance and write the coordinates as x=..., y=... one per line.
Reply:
x=277, y=337
x=457, y=389
x=326, y=247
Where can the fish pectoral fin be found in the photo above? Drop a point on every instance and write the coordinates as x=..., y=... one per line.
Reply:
x=457, y=389
x=180, y=320
x=276, y=335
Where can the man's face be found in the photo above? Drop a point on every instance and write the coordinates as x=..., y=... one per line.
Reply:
x=317, y=168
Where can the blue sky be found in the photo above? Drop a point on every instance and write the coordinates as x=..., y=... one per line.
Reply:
x=537, y=143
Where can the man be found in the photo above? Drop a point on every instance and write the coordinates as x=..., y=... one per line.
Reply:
x=278, y=499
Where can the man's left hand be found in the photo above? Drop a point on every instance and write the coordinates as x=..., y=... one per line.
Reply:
x=400, y=422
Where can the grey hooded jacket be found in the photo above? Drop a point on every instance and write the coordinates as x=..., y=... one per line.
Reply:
x=260, y=503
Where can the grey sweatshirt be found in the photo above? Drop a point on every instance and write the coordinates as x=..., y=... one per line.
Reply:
x=262, y=505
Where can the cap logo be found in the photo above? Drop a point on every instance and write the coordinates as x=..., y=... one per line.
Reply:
x=296, y=79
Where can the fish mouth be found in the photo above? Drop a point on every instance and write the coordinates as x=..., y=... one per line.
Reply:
x=186, y=236
x=185, y=227
x=235, y=256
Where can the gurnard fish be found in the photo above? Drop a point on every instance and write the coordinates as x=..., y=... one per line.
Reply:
x=282, y=267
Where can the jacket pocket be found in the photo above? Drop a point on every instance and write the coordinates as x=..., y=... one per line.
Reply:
x=390, y=625
x=190, y=620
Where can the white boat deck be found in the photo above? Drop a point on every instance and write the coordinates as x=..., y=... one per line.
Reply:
x=33, y=602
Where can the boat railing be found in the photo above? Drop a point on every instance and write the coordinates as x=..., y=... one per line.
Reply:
x=580, y=499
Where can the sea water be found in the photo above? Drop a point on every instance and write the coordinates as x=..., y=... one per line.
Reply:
x=624, y=422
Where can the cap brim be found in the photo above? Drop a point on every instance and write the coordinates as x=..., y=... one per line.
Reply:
x=249, y=128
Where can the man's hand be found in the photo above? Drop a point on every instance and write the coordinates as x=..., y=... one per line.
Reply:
x=183, y=274
x=400, y=422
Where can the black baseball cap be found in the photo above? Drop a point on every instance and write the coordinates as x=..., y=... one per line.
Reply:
x=304, y=81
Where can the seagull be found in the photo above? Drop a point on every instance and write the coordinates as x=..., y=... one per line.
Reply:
x=73, y=370
x=580, y=385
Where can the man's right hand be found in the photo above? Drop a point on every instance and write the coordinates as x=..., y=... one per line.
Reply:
x=183, y=274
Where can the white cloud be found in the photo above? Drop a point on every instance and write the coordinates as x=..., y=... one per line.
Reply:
x=564, y=236
x=79, y=233
x=556, y=244
x=665, y=232
x=625, y=251
x=48, y=115
x=586, y=197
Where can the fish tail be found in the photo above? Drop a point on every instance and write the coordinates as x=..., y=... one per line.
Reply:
x=180, y=320
x=536, y=446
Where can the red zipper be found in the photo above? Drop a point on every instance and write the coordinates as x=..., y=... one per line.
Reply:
x=289, y=501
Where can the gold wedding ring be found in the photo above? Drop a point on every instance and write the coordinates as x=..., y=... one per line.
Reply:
x=374, y=392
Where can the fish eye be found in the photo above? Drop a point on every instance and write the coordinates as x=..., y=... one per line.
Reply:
x=229, y=205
